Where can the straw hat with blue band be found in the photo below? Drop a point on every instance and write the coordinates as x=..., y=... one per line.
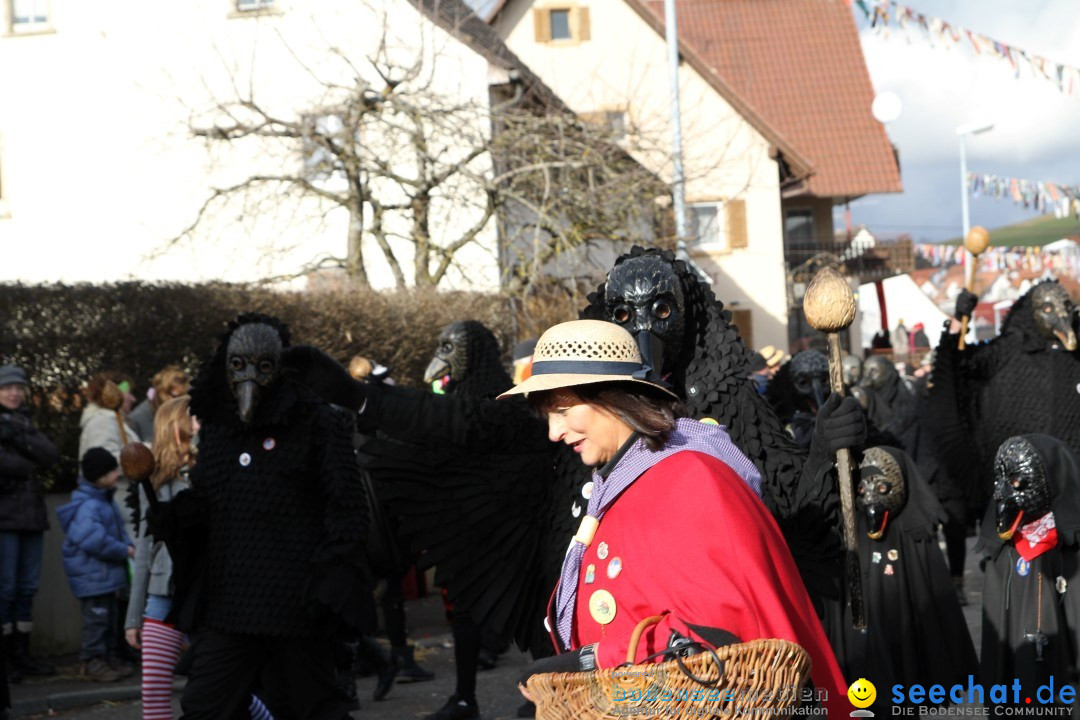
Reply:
x=583, y=352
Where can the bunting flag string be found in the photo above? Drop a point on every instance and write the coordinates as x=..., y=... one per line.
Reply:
x=885, y=14
x=1062, y=261
x=1044, y=197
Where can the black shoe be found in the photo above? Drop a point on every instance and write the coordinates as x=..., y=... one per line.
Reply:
x=456, y=709
x=408, y=670
x=385, y=682
x=528, y=710
x=20, y=656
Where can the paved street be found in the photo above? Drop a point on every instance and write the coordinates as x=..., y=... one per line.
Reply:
x=497, y=690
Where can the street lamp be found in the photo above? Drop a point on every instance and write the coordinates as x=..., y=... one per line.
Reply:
x=968, y=128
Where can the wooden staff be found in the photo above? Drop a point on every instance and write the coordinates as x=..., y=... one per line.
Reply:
x=137, y=462
x=112, y=397
x=977, y=240
x=829, y=305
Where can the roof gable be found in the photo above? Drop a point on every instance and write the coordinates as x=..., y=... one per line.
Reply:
x=800, y=64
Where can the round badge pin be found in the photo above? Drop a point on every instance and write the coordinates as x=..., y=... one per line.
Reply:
x=245, y=459
x=1061, y=585
x=614, y=568
x=1023, y=567
x=590, y=574
x=575, y=510
x=269, y=444
x=586, y=490
x=602, y=551
x=602, y=607
x=893, y=554
x=708, y=421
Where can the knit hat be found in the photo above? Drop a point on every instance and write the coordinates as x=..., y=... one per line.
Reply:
x=582, y=352
x=12, y=375
x=97, y=463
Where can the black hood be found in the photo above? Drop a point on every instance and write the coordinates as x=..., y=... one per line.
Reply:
x=212, y=399
x=1063, y=477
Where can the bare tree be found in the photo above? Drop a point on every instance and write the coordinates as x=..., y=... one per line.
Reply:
x=425, y=174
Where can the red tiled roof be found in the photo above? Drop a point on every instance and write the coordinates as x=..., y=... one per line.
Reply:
x=799, y=65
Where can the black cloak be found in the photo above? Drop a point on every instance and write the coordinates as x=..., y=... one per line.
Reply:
x=1012, y=589
x=480, y=492
x=271, y=533
x=1015, y=384
x=916, y=632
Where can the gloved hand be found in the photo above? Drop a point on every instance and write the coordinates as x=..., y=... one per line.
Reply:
x=839, y=424
x=565, y=663
x=324, y=376
x=13, y=427
x=965, y=304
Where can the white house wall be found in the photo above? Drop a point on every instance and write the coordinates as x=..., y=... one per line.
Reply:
x=623, y=67
x=98, y=165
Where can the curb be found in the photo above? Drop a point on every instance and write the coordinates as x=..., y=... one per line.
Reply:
x=73, y=699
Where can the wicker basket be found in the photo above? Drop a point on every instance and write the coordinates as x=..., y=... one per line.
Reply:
x=762, y=677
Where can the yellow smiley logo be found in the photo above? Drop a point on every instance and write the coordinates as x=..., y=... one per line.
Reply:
x=862, y=693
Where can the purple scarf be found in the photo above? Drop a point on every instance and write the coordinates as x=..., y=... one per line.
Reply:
x=711, y=440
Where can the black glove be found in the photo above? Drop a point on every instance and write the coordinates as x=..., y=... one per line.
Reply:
x=840, y=424
x=324, y=376
x=13, y=428
x=568, y=662
x=965, y=304
x=168, y=521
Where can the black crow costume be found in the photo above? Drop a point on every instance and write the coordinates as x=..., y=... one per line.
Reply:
x=279, y=517
x=890, y=403
x=916, y=632
x=688, y=337
x=1026, y=380
x=1030, y=540
x=480, y=491
x=797, y=391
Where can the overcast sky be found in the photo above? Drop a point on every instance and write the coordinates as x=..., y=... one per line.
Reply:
x=1037, y=129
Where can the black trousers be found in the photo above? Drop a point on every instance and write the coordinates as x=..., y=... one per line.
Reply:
x=295, y=678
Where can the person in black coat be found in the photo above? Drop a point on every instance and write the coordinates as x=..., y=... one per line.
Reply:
x=1030, y=542
x=915, y=630
x=23, y=451
x=271, y=536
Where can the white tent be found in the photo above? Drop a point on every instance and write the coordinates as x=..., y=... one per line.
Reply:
x=903, y=301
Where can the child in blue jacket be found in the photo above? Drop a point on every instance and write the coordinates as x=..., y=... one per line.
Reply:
x=96, y=551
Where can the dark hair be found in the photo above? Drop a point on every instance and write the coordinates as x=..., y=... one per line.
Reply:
x=648, y=411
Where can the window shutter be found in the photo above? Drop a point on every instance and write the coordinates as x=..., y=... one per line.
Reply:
x=736, y=224
x=741, y=318
x=542, y=25
x=583, y=24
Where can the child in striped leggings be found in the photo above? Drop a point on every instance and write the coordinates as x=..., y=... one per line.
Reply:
x=151, y=591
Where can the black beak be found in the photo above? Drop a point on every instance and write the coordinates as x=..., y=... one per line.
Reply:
x=818, y=393
x=1008, y=518
x=652, y=352
x=437, y=369
x=1064, y=332
x=876, y=519
x=247, y=397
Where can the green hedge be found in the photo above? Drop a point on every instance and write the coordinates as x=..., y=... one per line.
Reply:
x=63, y=334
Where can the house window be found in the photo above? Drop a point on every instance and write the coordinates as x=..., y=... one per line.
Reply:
x=29, y=16
x=560, y=24
x=743, y=321
x=705, y=224
x=799, y=228
x=567, y=24
x=249, y=5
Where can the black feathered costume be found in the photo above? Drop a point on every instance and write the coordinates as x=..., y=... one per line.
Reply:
x=278, y=517
x=480, y=491
x=1023, y=600
x=709, y=366
x=1023, y=381
x=916, y=632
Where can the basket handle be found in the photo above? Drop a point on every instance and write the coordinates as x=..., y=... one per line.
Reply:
x=635, y=638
